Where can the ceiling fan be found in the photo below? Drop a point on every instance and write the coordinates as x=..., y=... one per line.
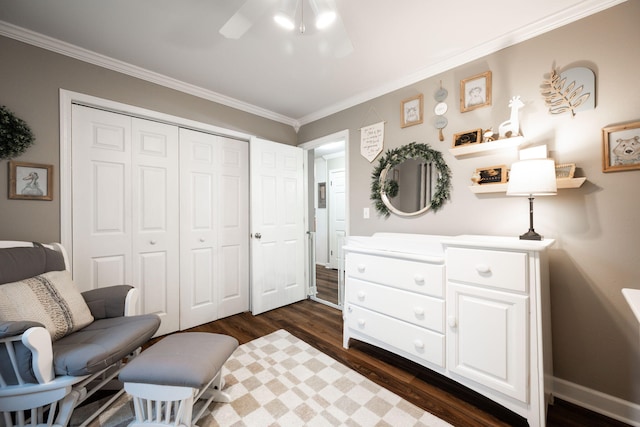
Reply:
x=289, y=14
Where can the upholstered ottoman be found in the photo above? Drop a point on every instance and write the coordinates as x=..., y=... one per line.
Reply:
x=168, y=378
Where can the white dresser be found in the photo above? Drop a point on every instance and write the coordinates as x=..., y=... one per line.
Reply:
x=473, y=308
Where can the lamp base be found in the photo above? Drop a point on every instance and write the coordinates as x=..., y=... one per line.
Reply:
x=530, y=235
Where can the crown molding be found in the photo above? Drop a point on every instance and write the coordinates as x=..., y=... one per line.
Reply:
x=76, y=52
x=567, y=16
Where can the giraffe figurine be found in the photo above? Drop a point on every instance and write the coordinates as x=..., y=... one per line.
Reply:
x=511, y=127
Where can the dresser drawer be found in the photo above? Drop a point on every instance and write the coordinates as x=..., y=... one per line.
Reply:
x=418, y=342
x=421, y=310
x=499, y=269
x=413, y=276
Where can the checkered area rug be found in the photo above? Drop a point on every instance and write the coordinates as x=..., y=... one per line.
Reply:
x=279, y=380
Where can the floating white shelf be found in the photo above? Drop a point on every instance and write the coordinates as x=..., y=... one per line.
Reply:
x=499, y=144
x=502, y=188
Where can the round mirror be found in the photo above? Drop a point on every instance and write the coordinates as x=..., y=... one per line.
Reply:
x=410, y=180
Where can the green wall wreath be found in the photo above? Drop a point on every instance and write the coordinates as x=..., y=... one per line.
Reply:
x=394, y=157
x=15, y=134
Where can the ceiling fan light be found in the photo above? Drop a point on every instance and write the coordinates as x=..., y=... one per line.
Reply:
x=284, y=20
x=325, y=11
x=325, y=19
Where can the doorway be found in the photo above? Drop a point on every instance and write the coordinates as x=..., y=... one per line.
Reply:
x=328, y=213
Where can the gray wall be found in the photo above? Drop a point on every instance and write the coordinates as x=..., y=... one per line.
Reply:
x=595, y=336
x=29, y=86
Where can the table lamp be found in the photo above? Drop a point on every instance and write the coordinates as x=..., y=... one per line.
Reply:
x=533, y=177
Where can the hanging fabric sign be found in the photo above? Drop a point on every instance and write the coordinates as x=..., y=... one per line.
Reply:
x=371, y=140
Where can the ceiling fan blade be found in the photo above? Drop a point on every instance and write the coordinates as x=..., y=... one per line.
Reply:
x=244, y=18
x=343, y=45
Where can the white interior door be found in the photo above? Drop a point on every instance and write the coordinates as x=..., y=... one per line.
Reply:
x=277, y=225
x=155, y=220
x=101, y=188
x=337, y=215
x=214, y=271
x=233, y=232
x=125, y=221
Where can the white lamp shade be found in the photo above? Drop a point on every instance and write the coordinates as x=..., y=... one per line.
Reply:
x=534, y=177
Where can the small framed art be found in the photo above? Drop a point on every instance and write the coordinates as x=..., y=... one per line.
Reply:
x=30, y=181
x=475, y=92
x=467, y=137
x=492, y=175
x=565, y=170
x=322, y=195
x=621, y=147
x=411, y=111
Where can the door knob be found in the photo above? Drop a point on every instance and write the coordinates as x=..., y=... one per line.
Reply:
x=257, y=236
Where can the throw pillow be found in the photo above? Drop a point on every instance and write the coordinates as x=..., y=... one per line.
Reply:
x=51, y=299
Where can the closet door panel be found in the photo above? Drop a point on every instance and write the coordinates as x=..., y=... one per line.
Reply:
x=233, y=207
x=101, y=187
x=156, y=220
x=199, y=266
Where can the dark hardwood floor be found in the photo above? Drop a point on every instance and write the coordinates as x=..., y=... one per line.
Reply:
x=327, y=284
x=321, y=326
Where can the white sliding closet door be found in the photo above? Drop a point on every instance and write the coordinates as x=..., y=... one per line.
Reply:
x=214, y=243
x=125, y=213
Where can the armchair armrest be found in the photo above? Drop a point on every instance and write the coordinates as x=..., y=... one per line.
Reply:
x=112, y=301
x=26, y=353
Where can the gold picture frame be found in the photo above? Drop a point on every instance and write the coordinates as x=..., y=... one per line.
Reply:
x=412, y=111
x=467, y=138
x=475, y=92
x=492, y=175
x=621, y=147
x=30, y=181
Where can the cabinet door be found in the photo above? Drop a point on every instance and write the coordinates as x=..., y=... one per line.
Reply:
x=487, y=338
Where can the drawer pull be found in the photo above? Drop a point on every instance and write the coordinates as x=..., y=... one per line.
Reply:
x=419, y=279
x=419, y=311
x=453, y=323
x=361, y=323
x=483, y=269
x=418, y=344
x=361, y=268
x=361, y=295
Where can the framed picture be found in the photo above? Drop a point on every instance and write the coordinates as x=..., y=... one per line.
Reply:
x=565, y=170
x=468, y=137
x=492, y=175
x=475, y=92
x=30, y=181
x=322, y=195
x=411, y=111
x=621, y=147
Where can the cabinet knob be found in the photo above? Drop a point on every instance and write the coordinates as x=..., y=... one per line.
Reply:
x=418, y=311
x=419, y=279
x=361, y=295
x=361, y=323
x=483, y=268
x=201, y=240
x=361, y=268
x=152, y=242
x=418, y=344
x=452, y=321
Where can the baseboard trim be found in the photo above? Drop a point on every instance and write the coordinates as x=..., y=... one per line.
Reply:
x=612, y=407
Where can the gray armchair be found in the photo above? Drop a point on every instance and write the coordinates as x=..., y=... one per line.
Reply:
x=52, y=360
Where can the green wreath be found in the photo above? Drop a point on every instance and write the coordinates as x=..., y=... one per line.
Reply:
x=394, y=157
x=15, y=135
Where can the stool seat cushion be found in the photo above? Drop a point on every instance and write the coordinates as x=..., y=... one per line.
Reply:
x=189, y=359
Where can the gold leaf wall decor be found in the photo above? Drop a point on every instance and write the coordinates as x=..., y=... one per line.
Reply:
x=570, y=91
